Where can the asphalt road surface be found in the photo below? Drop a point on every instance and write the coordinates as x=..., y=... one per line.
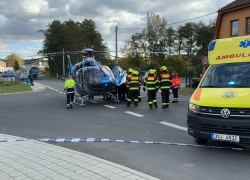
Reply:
x=44, y=115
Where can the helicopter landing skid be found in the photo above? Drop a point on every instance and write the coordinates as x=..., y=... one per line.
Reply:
x=82, y=98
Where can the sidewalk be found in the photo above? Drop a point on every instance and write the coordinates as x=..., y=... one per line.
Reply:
x=37, y=87
x=41, y=161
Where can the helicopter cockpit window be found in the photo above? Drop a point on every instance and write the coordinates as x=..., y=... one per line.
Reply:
x=94, y=75
x=106, y=71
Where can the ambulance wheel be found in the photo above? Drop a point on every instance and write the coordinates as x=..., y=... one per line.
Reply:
x=201, y=141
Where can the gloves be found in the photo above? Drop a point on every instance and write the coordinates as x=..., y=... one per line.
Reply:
x=144, y=89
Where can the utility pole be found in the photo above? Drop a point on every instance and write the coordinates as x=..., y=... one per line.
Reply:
x=63, y=64
x=116, y=59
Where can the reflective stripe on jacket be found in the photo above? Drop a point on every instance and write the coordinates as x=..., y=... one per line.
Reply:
x=151, y=82
x=133, y=83
x=176, y=82
x=165, y=81
x=69, y=86
x=128, y=76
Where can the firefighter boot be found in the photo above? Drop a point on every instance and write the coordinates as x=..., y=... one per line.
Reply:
x=151, y=106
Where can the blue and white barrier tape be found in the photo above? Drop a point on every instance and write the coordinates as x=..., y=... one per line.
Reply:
x=124, y=141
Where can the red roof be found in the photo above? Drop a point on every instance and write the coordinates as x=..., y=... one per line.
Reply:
x=35, y=64
x=234, y=4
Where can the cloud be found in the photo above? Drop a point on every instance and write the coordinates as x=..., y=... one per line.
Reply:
x=20, y=20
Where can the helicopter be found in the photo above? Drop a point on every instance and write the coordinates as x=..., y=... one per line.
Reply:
x=91, y=77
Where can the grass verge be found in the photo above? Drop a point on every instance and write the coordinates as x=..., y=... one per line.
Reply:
x=186, y=91
x=15, y=88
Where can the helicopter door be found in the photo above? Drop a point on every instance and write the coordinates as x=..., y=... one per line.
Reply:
x=84, y=78
x=120, y=75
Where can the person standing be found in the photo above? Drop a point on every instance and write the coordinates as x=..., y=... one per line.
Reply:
x=31, y=79
x=176, y=86
x=165, y=83
x=70, y=91
x=204, y=70
x=139, y=96
x=133, y=85
x=152, y=87
x=121, y=92
x=130, y=71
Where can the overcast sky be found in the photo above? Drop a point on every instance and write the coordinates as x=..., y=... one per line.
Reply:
x=20, y=20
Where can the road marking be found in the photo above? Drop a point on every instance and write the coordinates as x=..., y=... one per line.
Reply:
x=57, y=91
x=174, y=126
x=61, y=92
x=112, y=107
x=134, y=114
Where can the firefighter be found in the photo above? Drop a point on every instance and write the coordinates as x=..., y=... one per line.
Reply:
x=165, y=83
x=133, y=84
x=176, y=86
x=155, y=75
x=130, y=71
x=70, y=91
x=139, y=96
x=152, y=87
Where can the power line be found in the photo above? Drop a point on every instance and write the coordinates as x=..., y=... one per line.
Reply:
x=192, y=18
x=177, y=22
x=109, y=36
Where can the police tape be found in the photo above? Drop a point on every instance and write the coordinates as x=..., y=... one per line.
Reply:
x=124, y=141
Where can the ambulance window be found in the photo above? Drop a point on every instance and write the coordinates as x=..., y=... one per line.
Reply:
x=233, y=75
x=235, y=26
x=248, y=25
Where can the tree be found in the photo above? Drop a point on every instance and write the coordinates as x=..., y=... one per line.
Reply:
x=72, y=36
x=10, y=60
x=16, y=65
x=190, y=35
x=152, y=38
x=205, y=35
x=169, y=38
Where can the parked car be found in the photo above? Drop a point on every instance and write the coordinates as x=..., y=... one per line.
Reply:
x=9, y=74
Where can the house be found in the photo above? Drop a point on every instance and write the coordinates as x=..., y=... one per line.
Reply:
x=2, y=63
x=233, y=20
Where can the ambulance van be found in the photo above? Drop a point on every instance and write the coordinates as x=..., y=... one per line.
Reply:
x=219, y=109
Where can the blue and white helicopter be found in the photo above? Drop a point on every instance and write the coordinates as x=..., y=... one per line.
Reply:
x=92, y=78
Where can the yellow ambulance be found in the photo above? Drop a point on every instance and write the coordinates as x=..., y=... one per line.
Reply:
x=219, y=109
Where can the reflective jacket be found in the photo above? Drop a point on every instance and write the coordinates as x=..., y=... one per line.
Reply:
x=165, y=81
x=69, y=86
x=151, y=82
x=133, y=83
x=176, y=82
x=128, y=76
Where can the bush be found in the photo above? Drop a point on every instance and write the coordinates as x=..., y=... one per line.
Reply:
x=9, y=83
x=179, y=64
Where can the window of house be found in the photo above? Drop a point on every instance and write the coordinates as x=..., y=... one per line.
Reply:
x=248, y=25
x=235, y=27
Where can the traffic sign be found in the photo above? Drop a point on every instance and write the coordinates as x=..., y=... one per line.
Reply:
x=205, y=60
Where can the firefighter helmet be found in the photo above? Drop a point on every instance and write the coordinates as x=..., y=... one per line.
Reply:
x=163, y=68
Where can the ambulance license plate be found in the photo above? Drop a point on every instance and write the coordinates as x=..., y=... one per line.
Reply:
x=225, y=137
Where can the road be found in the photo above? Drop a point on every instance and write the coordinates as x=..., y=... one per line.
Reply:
x=44, y=115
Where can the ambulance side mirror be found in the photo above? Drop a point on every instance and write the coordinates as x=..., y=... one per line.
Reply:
x=195, y=83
